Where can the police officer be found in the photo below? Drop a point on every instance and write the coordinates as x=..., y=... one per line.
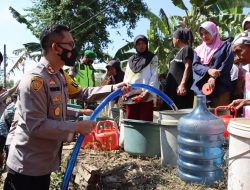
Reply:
x=39, y=125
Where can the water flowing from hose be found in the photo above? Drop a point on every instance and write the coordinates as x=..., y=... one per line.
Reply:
x=96, y=112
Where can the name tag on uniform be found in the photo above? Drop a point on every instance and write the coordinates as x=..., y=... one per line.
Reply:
x=56, y=88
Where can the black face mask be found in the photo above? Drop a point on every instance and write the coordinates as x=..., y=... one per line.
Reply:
x=69, y=61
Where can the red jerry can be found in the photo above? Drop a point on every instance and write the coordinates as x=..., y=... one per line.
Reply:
x=226, y=118
x=105, y=136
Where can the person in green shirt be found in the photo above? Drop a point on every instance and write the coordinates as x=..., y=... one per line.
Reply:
x=83, y=72
x=83, y=75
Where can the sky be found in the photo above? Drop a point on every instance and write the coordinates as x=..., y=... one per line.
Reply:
x=14, y=34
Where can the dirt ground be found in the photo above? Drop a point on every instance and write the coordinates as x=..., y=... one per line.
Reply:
x=119, y=170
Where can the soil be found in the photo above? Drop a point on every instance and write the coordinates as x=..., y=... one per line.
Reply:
x=119, y=170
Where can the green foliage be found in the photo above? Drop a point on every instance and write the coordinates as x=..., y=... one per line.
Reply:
x=20, y=18
x=57, y=177
x=122, y=54
x=180, y=4
x=31, y=50
x=160, y=38
x=9, y=83
x=89, y=20
x=227, y=14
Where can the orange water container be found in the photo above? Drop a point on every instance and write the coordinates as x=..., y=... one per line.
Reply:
x=105, y=136
x=226, y=118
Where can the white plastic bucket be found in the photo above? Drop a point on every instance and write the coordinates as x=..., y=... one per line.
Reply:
x=168, y=120
x=121, y=124
x=168, y=139
x=156, y=115
x=168, y=115
x=239, y=154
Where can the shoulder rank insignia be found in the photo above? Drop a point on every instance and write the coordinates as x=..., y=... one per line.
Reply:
x=36, y=83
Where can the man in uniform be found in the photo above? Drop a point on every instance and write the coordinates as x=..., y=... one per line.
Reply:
x=39, y=125
x=83, y=72
x=83, y=75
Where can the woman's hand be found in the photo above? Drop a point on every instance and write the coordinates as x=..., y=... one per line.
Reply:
x=144, y=95
x=125, y=87
x=211, y=82
x=214, y=73
x=239, y=103
x=86, y=112
x=181, y=90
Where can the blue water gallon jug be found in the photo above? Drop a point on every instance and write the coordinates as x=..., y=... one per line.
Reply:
x=200, y=137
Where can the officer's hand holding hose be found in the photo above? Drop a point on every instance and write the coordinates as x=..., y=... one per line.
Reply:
x=84, y=127
x=125, y=87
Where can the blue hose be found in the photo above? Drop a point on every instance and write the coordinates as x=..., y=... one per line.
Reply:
x=105, y=102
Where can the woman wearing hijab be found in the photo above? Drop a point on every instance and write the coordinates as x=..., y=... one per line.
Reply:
x=179, y=78
x=241, y=49
x=246, y=24
x=244, y=82
x=114, y=73
x=212, y=64
x=141, y=68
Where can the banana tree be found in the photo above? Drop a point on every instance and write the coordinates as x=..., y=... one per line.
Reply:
x=160, y=37
x=31, y=50
x=122, y=54
x=227, y=14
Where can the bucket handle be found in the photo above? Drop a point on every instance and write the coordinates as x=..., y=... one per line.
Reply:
x=232, y=109
x=239, y=155
x=107, y=124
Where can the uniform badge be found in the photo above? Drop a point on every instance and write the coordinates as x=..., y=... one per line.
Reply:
x=36, y=83
x=52, y=82
x=50, y=69
x=57, y=99
x=57, y=111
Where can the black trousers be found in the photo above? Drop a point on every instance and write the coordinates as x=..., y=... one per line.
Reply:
x=16, y=181
x=2, y=143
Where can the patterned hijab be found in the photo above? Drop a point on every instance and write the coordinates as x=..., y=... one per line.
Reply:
x=242, y=38
x=244, y=22
x=206, y=51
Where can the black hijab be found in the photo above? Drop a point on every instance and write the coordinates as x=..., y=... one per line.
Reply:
x=119, y=72
x=140, y=60
x=185, y=35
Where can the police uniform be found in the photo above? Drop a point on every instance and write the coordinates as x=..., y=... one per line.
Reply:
x=39, y=126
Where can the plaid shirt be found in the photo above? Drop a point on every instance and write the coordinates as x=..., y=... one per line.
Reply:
x=6, y=119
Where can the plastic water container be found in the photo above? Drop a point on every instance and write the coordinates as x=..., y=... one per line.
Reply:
x=105, y=136
x=168, y=139
x=141, y=138
x=168, y=132
x=199, y=145
x=226, y=116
